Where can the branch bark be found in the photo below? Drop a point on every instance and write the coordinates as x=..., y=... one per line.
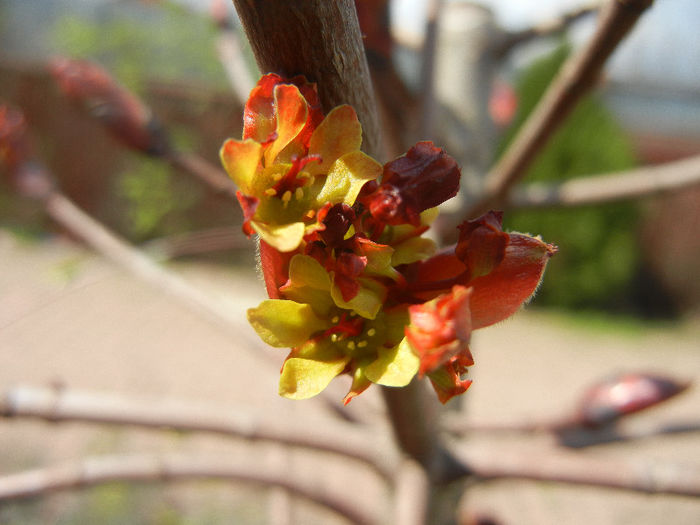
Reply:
x=647, y=477
x=144, y=468
x=599, y=189
x=320, y=40
x=576, y=78
x=511, y=40
x=60, y=405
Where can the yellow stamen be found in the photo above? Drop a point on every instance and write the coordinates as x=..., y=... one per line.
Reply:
x=310, y=214
x=286, y=197
x=335, y=319
x=351, y=345
x=299, y=194
x=334, y=337
x=270, y=192
x=361, y=344
x=371, y=332
x=277, y=176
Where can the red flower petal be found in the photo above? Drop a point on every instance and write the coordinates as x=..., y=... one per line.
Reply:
x=482, y=244
x=275, y=268
x=248, y=204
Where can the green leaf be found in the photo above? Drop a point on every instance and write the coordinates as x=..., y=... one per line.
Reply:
x=394, y=367
x=346, y=177
x=282, y=323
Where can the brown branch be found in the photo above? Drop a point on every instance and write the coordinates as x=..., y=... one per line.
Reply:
x=228, y=47
x=59, y=405
x=648, y=477
x=577, y=77
x=598, y=189
x=212, y=176
x=320, y=40
x=555, y=26
x=143, y=468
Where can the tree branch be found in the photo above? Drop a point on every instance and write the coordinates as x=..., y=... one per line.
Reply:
x=576, y=78
x=555, y=26
x=598, y=189
x=647, y=477
x=143, y=468
x=320, y=40
x=59, y=405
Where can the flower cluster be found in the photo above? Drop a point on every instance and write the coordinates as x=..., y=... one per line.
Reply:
x=354, y=286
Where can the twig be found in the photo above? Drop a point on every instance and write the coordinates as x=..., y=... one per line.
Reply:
x=144, y=468
x=67, y=405
x=427, y=102
x=598, y=189
x=410, y=501
x=212, y=176
x=231, y=56
x=553, y=466
x=512, y=39
x=576, y=78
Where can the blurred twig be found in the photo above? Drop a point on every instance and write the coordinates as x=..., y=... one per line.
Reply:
x=60, y=404
x=427, y=102
x=648, y=477
x=597, y=189
x=577, y=77
x=149, y=468
x=512, y=39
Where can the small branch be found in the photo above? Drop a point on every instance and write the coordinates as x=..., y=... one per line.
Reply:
x=551, y=466
x=598, y=189
x=58, y=405
x=576, y=78
x=411, y=488
x=322, y=41
x=427, y=102
x=228, y=46
x=142, y=468
x=212, y=176
x=545, y=29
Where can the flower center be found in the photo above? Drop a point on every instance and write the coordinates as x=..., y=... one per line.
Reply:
x=290, y=185
x=351, y=333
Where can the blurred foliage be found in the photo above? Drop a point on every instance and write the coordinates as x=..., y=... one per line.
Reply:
x=137, y=42
x=599, y=254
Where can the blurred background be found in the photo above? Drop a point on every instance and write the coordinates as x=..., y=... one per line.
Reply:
x=622, y=292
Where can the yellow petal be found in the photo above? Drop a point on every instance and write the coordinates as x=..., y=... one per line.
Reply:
x=240, y=159
x=282, y=323
x=412, y=250
x=306, y=376
x=394, y=367
x=338, y=134
x=285, y=238
x=367, y=302
x=346, y=177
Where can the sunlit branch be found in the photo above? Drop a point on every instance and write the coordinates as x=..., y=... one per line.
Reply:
x=547, y=28
x=576, y=77
x=58, y=405
x=598, y=189
x=158, y=469
x=568, y=467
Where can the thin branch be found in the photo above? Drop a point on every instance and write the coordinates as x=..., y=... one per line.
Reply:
x=576, y=78
x=552, y=466
x=410, y=501
x=144, y=468
x=212, y=176
x=598, y=189
x=59, y=405
x=228, y=46
x=427, y=102
x=551, y=27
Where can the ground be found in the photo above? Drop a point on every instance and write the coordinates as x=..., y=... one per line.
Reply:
x=68, y=317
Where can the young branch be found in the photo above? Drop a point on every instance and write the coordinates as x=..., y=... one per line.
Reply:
x=212, y=176
x=428, y=105
x=143, y=468
x=548, y=28
x=647, y=477
x=59, y=405
x=576, y=78
x=322, y=41
x=598, y=189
